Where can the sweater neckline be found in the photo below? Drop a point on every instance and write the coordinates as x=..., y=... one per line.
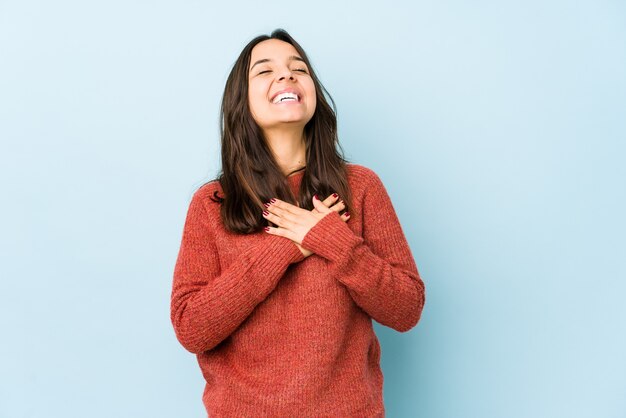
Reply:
x=297, y=172
x=297, y=175
x=294, y=181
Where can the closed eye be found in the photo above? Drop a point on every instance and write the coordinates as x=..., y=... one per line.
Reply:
x=302, y=70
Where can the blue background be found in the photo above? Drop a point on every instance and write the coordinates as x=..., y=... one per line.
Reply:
x=498, y=128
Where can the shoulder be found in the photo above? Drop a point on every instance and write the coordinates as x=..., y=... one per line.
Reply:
x=208, y=196
x=360, y=176
x=209, y=189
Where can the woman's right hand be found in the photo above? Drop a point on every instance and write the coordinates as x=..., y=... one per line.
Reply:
x=333, y=203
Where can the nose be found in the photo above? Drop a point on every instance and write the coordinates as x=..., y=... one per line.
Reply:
x=286, y=73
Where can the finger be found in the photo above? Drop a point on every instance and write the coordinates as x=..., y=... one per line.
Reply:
x=330, y=199
x=284, y=210
x=280, y=232
x=339, y=206
x=282, y=221
x=345, y=216
x=319, y=205
x=280, y=206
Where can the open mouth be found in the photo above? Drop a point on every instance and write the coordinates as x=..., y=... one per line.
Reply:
x=286, y=97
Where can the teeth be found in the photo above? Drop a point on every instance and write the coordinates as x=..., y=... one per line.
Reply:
x=285, y=97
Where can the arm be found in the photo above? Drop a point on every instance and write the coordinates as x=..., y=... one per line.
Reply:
x=207, y=304
x=378, y=269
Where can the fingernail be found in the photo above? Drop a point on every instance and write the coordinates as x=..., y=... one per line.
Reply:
x=347, y=214
x=335, y=195
x=272, y=200
x=267, y=205
x=267, y=229
x=315, y=197
x=265, y=213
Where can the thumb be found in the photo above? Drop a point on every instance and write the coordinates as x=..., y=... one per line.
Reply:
x=317, y=204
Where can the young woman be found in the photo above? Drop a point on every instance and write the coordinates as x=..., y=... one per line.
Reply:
x=275, y=288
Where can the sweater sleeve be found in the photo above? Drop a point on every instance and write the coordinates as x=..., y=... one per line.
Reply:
x=378, y=269
x=208, y=304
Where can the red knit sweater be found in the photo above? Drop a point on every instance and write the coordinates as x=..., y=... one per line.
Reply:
x=280, y=335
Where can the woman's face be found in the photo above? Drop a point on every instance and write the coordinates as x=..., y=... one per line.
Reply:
x=281, y=92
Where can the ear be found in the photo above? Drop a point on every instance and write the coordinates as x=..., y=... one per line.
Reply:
x=319, y=205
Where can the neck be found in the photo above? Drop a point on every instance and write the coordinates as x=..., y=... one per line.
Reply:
x=288, y=148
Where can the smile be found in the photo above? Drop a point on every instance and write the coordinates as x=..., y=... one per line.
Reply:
x=286, y=97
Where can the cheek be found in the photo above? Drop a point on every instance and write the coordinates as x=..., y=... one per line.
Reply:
x=313, y=97
x=256, y=96
x=256, y=111
x=312, y=105
x=310, y=91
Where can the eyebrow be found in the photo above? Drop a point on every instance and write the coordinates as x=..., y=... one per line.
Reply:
x=291, y=58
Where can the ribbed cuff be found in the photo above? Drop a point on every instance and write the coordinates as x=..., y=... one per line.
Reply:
x=331, y=238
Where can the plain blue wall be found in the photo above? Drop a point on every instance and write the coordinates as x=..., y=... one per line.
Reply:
x=498, y=128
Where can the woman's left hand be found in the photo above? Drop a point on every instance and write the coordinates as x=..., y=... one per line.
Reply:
x=294, y=222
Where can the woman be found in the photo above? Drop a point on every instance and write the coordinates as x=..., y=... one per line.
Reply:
x=274, y=290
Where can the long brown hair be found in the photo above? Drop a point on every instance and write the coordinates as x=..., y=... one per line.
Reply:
x=250, y=175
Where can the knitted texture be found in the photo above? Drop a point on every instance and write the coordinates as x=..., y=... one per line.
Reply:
x=280, y=335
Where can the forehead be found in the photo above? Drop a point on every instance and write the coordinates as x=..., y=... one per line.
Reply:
x=273, y=49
